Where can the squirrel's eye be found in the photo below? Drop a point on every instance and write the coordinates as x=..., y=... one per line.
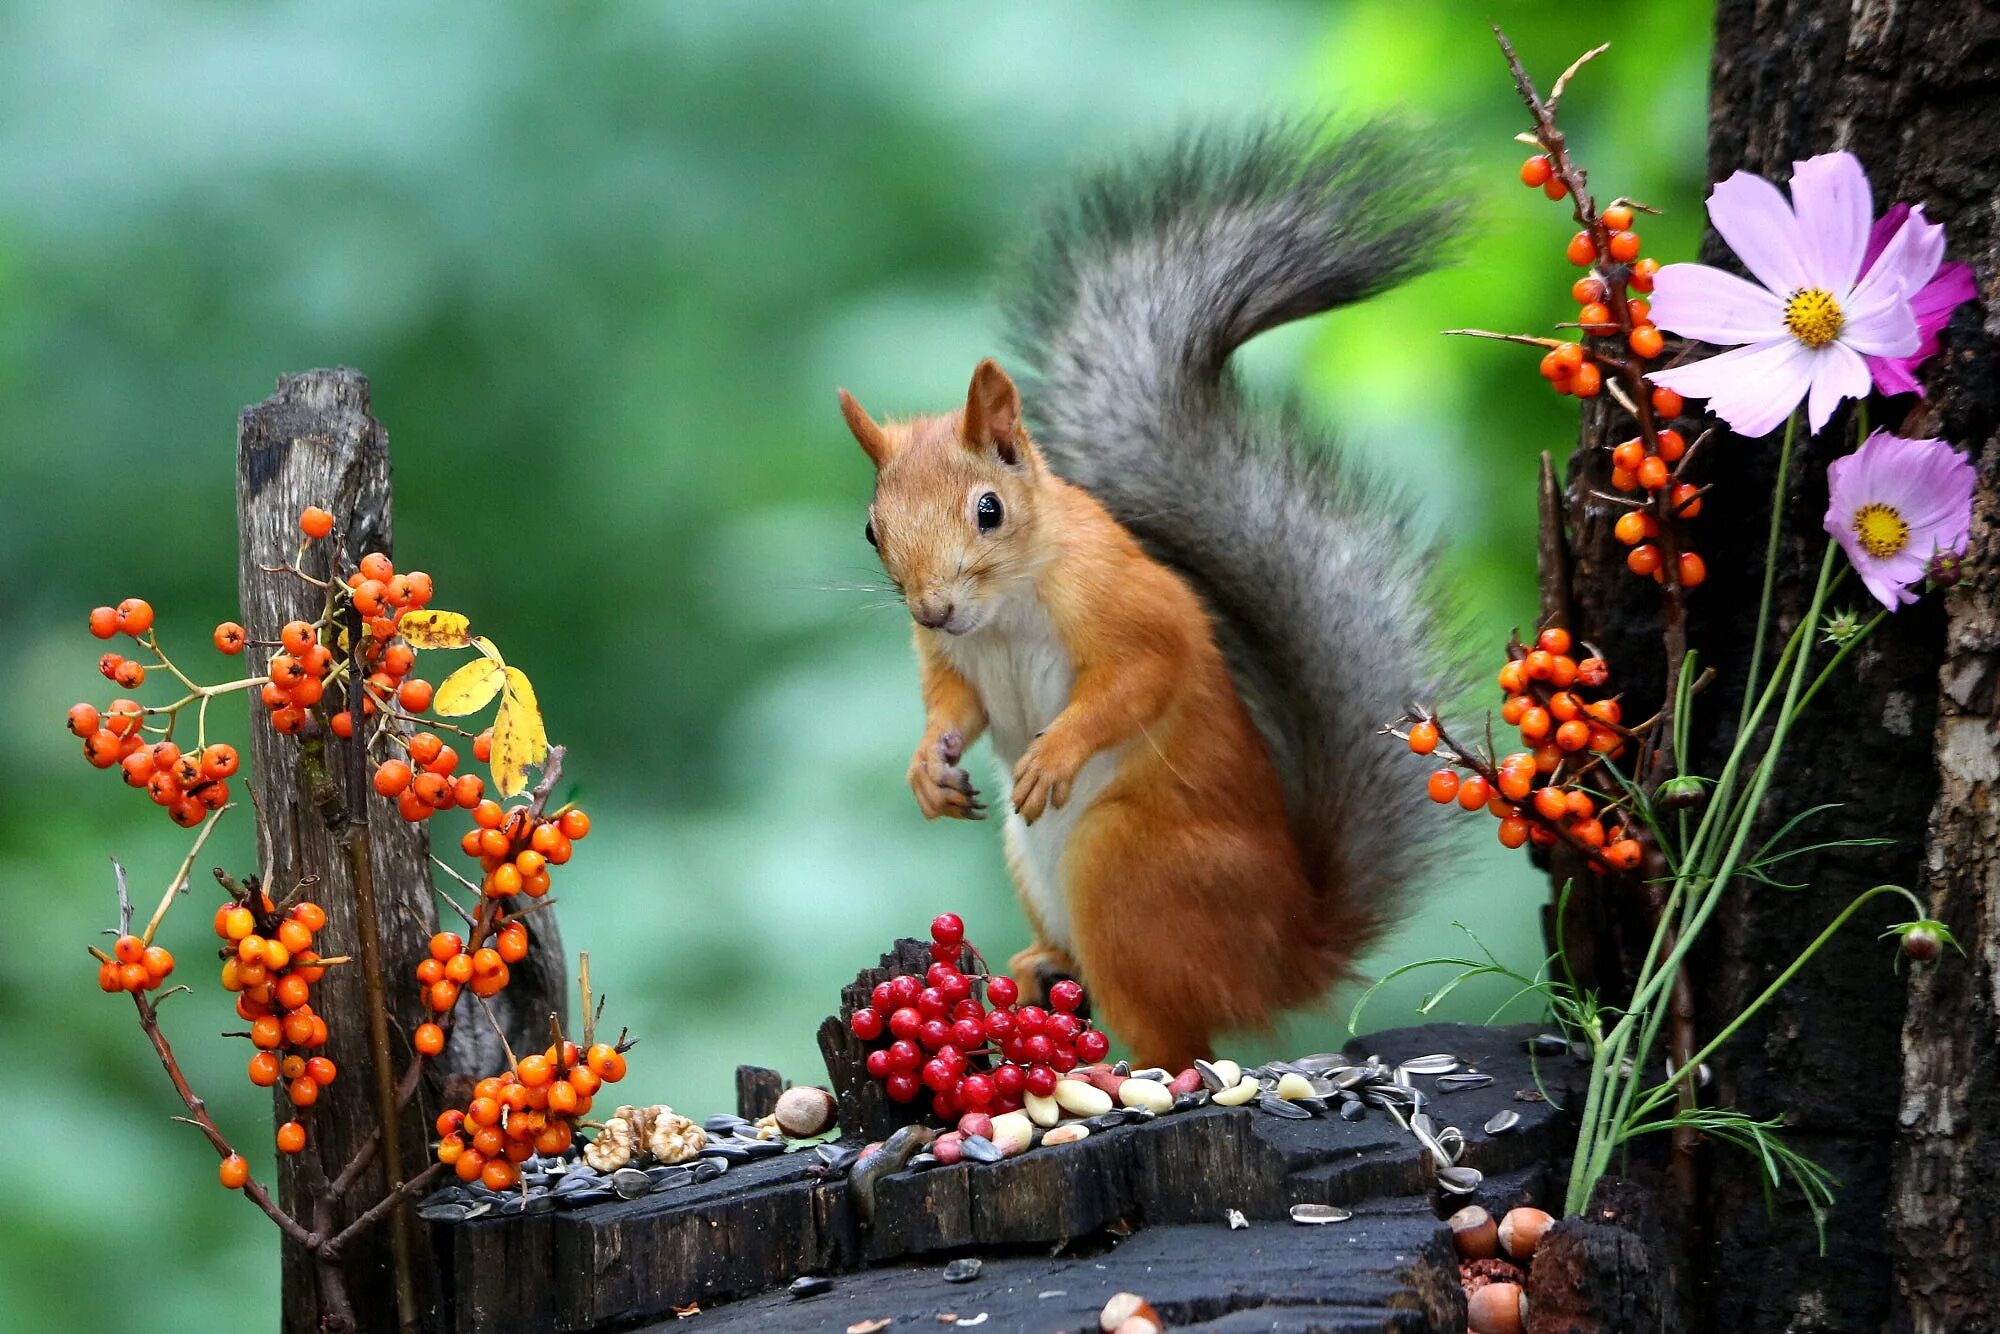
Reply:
x=990, y=512
x=869, y=533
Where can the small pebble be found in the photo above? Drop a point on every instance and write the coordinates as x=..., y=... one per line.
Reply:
x=962, y=1270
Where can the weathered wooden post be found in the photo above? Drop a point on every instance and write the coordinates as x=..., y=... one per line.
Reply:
x=313, y=442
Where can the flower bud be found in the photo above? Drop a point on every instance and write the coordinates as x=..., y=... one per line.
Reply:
x=1682, y=793
x=1945, y=568
x=1922, y=944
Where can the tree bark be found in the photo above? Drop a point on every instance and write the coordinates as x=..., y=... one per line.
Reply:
x=1914, y=91
x=1907, y=749
x=314, y=443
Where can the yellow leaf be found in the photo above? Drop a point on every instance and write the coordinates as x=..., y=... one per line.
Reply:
x=468, y=689
x=486, y=647
x=434, y=629
x=519, y=738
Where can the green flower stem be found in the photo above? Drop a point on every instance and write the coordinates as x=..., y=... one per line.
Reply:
x=1665, y=1091
x=1770, y=573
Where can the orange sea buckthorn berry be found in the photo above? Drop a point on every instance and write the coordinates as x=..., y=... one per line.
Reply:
x=1554, y=187
x=264, y=1069
x=1564, y=706
x=1593, y=672
x=1667, y=403
x=1573, y=735
x=1582, y=250
x=573, y=823
x=1513, y=678
x=303, y=1091
x=1640, y=310
x=1552, y=368
x=1643, y=559
x=445, y=944
x=315, y=522
x=1588, y=832
x=1537, y=170
x=1538, y=665
x=498, y=1174
x=1629, y=455
x=459, y=968
x=1652, y=473
x=1443, y=786
x=1596, y=318
x=1693, y=569
x=1553, y=639
x=266, y=1033
x=1517, y=776
x=1571, y=356
x=1646, y=341
x=1473, y=792
x=1617, y=217
x=429, y=1039
x=312, y=915
x=234, y=1171
x=1588, y=289
x=1625, y=246
x=1624, y=855
x=291, y=991
x=1551, y=804
x=1586, y=382
x=1423, y=740
x=606, y=1062
x=135, y=616
x=321, y=1071
x=1516, y=705
x=1534, y=725
x=1513, y=832
x=442, y=995
x=238, y=922
x=1643, y=273
x=534, y=1071
x=451, y=1146
x=513, y=943
x=1686, y=499
x=159, y=963
x=291, y=1137
x=505, y=881
x=1631, y=528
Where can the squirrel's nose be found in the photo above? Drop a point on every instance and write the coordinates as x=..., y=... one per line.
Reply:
x=932, y=615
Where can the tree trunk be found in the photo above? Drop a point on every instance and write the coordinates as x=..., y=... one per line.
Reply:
x=314, y=443
x=1914, y=91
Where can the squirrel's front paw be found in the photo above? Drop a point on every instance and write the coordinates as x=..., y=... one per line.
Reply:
x=941, y=786
x=1043, y=776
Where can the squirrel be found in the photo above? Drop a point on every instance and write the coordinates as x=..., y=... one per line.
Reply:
x=1180, y=623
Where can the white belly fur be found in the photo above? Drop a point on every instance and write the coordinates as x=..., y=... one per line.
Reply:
x=1023, y=675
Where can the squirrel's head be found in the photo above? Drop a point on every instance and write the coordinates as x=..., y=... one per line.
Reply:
x=954, y=511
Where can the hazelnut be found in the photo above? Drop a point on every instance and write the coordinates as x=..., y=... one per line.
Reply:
x=1474, y=1233
x=1129, y=1313
x=1497, y=1308
x=1521, y=1231
x=806, y=1111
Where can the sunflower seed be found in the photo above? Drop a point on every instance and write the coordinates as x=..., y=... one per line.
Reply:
x=962, y=1270
x=1185, y=1101
x=838, y=1157
x=1464, y=1079
x=445, y=1211
x=922, y=1161
x=810, y=1285
x=724, y=1124
x=1443, y=1063
x=1320, y=1213
x=527, y=1204
x=1547, y=1044
x=1290, y=1111
x=1459, y=1180
x=1421, y=1124
x=1502, y=1121
x=1315, y=1104
x=1219, y=1075
x=630, y=1183
x=708, y=1169
x=981, y=1149
x=1353, y=1111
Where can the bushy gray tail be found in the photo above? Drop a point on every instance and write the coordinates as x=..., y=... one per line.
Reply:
x=1148, y=278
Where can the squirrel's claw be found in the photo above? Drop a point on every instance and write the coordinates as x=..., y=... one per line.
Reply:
x=942, y=788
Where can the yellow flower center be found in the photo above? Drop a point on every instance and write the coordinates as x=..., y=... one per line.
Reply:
x=1883, y=531
x=1813, y=316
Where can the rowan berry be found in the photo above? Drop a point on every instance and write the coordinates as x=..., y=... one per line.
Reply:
x=135, y=616
x=104, y=622
x=1537, y=171
x=425, y=747
x=129, y=674
x=342, y=724
x=482, y=746
x=377, y=566
x=289, y=720
x=83, y=719
x=414, y=695
x=122, y=718
x=433, y=790
x=1624, y=855
x=392, y=777
x=1423, y=737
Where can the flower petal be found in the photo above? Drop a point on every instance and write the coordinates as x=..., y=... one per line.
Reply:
x=1696, y=301
x=1879, y=322
x=1830, y=199
x=1753, y=388
x=1895, y=375
x=1885, y=227
x=1837, y=372
x=1758, y=224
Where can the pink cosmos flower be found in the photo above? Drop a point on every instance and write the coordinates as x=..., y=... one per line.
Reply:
x=1943, y=289
x=1803, y=332
x=1892, y=504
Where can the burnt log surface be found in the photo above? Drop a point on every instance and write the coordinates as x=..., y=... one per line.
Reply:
x=314, y=442
x=1052, y=1218
x=1914, y=91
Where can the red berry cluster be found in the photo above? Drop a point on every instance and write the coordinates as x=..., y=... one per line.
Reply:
x=134, y=966
x=938, y=1037
x=530, y=1109
x=1538, y=795
x=268, y=960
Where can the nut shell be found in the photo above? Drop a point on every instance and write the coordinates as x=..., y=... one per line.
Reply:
x=1521, y=1231
x=1127, y=1311
x=1474, y=1233
x=1497, y=1308
x=806, y=1111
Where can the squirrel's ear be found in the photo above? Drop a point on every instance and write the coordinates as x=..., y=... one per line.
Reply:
x=873, y=439
x=993, y=412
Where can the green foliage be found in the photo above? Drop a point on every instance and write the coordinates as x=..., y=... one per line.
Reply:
x=605, y=266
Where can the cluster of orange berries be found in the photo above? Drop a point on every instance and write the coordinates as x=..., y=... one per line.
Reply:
x=1567, y=367
x=1560, y=729
x=1636, y=469
x=429, y=781
x=516, y=847
x=134, y=966
x=271, y=966
x=452, y=967
x=189, y=784
x=531, y=1109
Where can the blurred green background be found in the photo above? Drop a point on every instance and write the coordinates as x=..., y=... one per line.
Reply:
x=605, y=266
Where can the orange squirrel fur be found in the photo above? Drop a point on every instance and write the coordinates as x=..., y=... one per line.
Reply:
x=1168, y=875
x=1178, y=618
